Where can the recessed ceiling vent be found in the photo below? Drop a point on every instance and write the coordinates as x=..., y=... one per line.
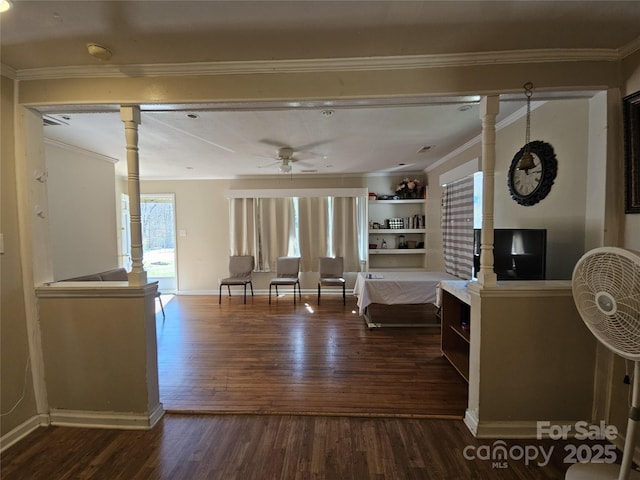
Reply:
x=49, y=121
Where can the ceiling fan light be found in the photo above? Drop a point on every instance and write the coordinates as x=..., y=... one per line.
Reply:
x=285, y=168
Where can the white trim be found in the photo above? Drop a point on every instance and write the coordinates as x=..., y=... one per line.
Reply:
x=471, y=421
x=88, y=419
x=72, y=148
x=461, y=171
x=399, y=62
x=630, y=48
x=262, y=292
x=523, y=288
x=516, y=429
x=7, y=71
x=297, y=192
x=22, y=430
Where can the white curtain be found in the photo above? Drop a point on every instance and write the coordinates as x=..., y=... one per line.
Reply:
x=344, y=235
x=314, y=229
x=308, y=227
x=457, y=227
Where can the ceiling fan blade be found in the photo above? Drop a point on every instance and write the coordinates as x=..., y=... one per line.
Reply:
x=309, y=146
x=304, y=164
x=268, y=165
x=273, y=143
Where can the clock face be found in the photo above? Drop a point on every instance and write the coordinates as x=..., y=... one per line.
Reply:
x=528, y=187
x=525, y=182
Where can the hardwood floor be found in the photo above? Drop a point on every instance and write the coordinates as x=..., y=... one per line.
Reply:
x=307, y=359
x=374, y=395
x=270, y=447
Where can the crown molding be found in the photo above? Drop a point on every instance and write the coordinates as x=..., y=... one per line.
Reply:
x=323, y=64
x=83, y=151
x=7, y=71
x=630, y=48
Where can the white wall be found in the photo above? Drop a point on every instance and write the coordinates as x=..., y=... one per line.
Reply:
x=564, y=124
x=202, y=212
x=81, y=195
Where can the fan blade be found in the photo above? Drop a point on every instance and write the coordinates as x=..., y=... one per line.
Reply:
x=273, y=143
x=277, y=162
x=309, y=146
x=304, y=164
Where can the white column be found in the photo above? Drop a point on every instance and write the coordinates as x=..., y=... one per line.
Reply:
x=489, y=108
x=130, y=115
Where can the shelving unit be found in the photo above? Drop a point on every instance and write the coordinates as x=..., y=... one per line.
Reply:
x=456, y=330
x=392, y=257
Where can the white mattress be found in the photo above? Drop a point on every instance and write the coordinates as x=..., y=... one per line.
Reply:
x=396, y=288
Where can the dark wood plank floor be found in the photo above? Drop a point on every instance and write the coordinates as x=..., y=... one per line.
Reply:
x=269, y=447
x=273, y=360
x=307, y=359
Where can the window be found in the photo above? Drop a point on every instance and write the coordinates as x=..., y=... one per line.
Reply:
x=307, y=226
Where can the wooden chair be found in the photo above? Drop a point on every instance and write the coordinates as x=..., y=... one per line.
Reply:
x=331, y=271
x=240, y=272
x=287, y=271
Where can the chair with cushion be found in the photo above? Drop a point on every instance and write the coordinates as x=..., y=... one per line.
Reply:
x=331, y=275
x=240, y=272
x=287, y=271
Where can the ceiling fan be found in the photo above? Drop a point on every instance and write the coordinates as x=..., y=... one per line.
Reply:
x=285, y=160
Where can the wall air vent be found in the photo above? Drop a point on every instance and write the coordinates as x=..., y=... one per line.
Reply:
x=49, y=121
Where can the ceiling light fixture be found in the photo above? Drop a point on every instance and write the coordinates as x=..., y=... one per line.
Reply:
x=5, y=5
x=285, y=168
x=526, y=162
x=327, y=113
x=98, y=51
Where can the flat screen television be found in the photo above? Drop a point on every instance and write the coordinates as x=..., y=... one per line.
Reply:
x=518, y=253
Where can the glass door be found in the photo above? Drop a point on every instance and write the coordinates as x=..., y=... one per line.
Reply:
x=157, y=213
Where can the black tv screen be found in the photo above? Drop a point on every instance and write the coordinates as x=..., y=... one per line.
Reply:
x=518, y=253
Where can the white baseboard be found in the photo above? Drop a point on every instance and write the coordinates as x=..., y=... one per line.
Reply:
x=23, y=430
x=471, y=421
x=87, y=419
x=513, y=430
x=239, y=292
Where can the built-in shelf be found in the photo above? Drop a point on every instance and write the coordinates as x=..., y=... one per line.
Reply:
x=397, y=213
x=455, y=326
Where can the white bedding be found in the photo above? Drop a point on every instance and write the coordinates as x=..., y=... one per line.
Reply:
x=395, y=288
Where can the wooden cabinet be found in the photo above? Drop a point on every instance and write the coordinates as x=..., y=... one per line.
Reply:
x=456, y=330
x=390, y=223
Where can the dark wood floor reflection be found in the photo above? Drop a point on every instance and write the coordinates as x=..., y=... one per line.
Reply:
x=307, y=359
x=274, y=447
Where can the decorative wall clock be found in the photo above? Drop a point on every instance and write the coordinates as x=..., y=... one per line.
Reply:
x=529, y=182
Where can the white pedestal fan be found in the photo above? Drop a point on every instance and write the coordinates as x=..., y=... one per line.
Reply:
x=606, y=290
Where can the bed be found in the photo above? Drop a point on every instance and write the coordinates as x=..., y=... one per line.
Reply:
x=396, y=288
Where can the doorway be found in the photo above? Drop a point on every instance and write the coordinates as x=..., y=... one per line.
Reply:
x=157, y=214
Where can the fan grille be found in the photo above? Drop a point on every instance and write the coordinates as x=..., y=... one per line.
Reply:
x=606, y=290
